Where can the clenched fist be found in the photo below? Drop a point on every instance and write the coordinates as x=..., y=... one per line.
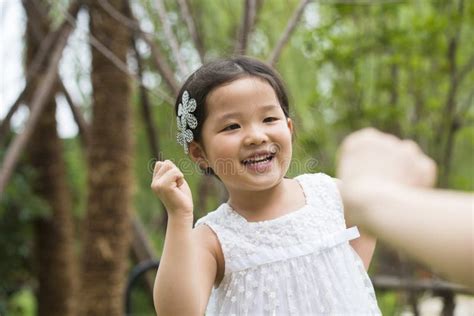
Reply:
x=378, y=157
x=170, y=186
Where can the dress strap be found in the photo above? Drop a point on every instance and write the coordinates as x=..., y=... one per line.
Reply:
x=265, y=256
x=321, y=191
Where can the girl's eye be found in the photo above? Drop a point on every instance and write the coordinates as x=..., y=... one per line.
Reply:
x=231, y=127
x=270, y=119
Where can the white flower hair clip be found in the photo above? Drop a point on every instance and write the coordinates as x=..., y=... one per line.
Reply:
x=186, y=118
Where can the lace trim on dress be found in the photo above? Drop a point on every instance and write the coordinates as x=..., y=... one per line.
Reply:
x=282, y=253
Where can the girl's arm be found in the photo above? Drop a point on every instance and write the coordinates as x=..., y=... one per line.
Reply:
x=365, y=244
x=187, y=270
x=188, y=266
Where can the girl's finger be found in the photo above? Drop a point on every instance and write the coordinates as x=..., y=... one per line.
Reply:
x=163, y=166
x=180, y=181
x=157, y=167
x=172, y=178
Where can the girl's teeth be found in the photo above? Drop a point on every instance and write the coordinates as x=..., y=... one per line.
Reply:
x=259, y=160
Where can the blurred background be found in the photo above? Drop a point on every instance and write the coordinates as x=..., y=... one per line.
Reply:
x=86, y=107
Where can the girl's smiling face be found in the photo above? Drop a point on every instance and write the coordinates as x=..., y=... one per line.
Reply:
x=245, y=123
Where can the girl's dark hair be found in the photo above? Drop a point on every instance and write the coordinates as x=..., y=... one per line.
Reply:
x=217, y=73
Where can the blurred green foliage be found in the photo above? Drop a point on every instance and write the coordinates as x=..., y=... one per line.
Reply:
x=19, y=208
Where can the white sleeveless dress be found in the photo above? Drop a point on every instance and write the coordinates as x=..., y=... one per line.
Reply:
x=298, y=264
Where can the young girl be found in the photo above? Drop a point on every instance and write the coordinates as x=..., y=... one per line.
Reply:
x=278, y=246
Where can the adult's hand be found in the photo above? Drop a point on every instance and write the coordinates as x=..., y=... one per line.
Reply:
x=370, y=155
x=385, y=189
x=371, y=161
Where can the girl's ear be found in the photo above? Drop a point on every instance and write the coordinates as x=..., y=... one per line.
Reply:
x=290, y=124
x=197, y=154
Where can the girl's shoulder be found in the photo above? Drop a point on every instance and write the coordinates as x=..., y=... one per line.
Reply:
x=321, y=188
x=216, y=216
x=317, y=177
x=318, y=182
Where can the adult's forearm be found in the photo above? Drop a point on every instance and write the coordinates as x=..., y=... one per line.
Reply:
x=176, y=289
x=435, y=227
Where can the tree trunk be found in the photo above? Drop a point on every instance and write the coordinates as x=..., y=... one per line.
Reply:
x=107, y=226
x=54, y=234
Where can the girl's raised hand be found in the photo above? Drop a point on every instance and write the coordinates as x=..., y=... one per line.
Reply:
x=170, y=186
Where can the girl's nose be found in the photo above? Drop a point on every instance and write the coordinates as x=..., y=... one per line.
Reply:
x=255, y=136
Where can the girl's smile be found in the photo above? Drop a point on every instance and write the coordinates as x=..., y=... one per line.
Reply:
x=260, y=162
x=246, y=137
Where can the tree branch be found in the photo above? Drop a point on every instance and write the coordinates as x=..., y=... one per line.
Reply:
x=188, y=19
x=463, y=110
x=43, y=51
x=288, y=31
x=41, y=95
x=78, y=117
x=468, y=67
x=47, y=43
x=131, y=23
x=5, y=125
x=163, y=68
x=448, y=124
x=153, y=136
x=172, y=41
x=248, y=20
x=142, y=249
x=146, y=111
